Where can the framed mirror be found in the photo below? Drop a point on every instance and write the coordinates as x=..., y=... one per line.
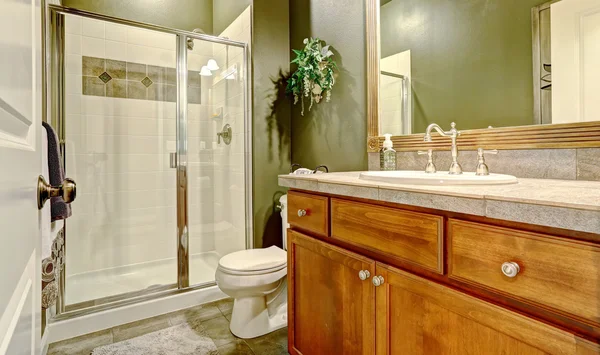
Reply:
x=511, y=74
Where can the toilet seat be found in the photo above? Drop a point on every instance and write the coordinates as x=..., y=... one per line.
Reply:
x=254, y=261
x=257, y=281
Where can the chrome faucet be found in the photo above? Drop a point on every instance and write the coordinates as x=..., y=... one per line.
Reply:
x=430, y=167
x=482, y=168
x=453, y=133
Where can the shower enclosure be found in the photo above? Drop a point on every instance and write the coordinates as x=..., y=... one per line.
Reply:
x=395, y=104
x=156, y=132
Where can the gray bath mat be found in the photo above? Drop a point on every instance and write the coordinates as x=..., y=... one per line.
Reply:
x=181, y=339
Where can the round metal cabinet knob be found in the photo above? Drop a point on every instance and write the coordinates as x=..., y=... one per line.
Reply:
x=364, y=274
x=378, y=281
x=510, y=269
x=301, y=213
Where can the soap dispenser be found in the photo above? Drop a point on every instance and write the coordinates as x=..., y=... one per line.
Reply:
x=387, y=155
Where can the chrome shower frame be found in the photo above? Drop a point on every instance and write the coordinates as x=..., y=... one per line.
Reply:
x=55, y=56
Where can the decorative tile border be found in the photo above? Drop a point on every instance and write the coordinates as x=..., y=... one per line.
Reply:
x=115, y=78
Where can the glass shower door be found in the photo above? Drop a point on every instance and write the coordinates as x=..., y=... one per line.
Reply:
x=154, y=126
x=217, y=155
x=119, y=132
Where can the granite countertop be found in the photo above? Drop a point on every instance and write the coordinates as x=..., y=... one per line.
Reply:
x=568, y=204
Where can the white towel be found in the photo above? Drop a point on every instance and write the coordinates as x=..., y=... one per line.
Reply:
x=49, y=229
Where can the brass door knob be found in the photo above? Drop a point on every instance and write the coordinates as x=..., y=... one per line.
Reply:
x=67, y=190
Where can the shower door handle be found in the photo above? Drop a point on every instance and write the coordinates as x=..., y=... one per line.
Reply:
x=173, y=160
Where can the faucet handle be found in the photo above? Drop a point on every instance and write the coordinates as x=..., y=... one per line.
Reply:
x=482, y=168
x=481, y=151
x=454, y=130
x=430, y=167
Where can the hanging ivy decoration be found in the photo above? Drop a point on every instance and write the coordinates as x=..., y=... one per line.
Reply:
x=314, y=77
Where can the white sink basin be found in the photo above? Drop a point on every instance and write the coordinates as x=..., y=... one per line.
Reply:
x=440, y=178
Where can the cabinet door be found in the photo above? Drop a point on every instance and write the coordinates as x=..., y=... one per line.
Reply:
x=417, y=316
x=331, y=310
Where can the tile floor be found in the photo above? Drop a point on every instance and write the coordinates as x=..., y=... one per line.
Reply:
x=214, y=316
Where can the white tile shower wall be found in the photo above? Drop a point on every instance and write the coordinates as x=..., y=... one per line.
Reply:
x=117, y=151
x=391, y=92
x=230, y=209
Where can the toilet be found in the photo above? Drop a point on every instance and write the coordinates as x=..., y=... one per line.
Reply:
x=257, y=281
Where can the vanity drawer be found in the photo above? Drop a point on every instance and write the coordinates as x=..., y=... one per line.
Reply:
x=411, y=237
x=309, y=212
x=557, y=273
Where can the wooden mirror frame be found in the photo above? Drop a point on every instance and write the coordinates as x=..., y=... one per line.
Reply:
x=552, y=136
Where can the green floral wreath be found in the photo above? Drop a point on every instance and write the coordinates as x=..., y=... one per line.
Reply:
x=314, y=77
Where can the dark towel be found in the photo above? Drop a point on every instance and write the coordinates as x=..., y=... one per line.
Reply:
x=59, y=209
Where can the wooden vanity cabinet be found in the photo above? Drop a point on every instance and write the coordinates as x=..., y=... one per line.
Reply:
x=331, y=310
x=309, y=213
x=553, y=272
x=410, y=237
x=344, y=299
x=416, y=317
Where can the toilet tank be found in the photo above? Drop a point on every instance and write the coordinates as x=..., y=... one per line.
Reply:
x=284, y=221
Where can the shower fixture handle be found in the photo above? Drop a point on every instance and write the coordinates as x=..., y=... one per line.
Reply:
x=225, y=134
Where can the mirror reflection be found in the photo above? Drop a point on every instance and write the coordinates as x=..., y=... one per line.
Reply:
x=485, y=63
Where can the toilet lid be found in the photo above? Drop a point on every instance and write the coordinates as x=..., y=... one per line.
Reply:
x=254, y=259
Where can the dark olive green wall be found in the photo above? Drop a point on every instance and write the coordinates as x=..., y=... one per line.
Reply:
x=271, y=135
x=471, y=60
x=333, y=133
x=225, y=11
x=182, y=14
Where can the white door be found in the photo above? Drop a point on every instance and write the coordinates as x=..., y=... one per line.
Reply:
x=575, y=26
x=20, y=166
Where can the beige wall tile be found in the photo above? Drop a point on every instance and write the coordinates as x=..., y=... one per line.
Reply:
x=92, y=66
x=136, y=71
x=116, y=69
x=136, y=90
x=92, y=85
x=116, y=88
